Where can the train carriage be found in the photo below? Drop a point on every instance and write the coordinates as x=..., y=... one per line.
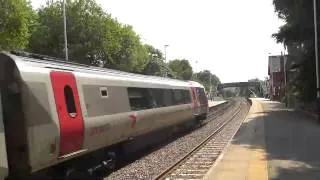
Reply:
x=53, y=111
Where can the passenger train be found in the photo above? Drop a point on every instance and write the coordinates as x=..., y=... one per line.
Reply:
x=53, y=112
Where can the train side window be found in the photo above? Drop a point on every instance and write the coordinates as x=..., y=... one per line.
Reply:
x=103, y=92
x=157, y=96
x=168, y=97
x=189, y=96
x=178, y=96
x=186, y=96
x=138, y=98
x=69, y=98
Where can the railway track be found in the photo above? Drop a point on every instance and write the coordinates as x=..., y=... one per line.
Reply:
x=196, y=163
x=153, y=162
x=214, y=111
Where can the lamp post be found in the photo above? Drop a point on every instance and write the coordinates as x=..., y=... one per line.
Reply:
x=316, y=45
x=165, y=59
x=210, y=86
x=284, y=72
x=316, y=55
x=65, y=30
x=195, y=72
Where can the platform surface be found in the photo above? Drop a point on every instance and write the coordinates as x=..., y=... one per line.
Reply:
x=273, y=143
x=215, y=103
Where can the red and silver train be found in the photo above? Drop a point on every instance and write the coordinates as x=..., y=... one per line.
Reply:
x=53, y=112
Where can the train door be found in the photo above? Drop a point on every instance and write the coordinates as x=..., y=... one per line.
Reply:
x=203, y=100
x=195, y=101
x=69, y=112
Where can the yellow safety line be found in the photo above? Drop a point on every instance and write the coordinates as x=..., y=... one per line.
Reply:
x=258, y=169
x=258, y=165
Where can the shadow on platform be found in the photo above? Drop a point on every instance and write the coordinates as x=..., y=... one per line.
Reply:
x=291, y=142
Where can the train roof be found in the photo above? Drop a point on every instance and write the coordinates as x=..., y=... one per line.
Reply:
x=196, y=84
x=23, y=59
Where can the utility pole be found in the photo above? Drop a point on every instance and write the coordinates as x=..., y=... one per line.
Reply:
x=284, y=74
x=65, y=31
x=195, y=70
x=316, y=45
x=210, y=86
x=165, y=59
x=284, y=70
x=316, y=55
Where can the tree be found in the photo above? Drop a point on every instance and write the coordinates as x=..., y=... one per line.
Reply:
x=132, y=55
x=181, y=69
x=94, y=37
x=155, y=62
x=298, y=32
x=16, y=20
x=156, y=65
x=298, y=15
x=203, y=77
x=86, y=31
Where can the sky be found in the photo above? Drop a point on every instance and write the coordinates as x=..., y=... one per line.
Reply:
x=231, y=38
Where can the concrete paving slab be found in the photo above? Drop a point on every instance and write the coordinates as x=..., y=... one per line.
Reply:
x=215, y=103
x=239, y=160
x=273, y=143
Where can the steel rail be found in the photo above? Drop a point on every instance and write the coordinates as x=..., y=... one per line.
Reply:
x=177, y=164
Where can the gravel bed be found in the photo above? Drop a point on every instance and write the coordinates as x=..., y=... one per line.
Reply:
x=152, y=164
x=208, y=153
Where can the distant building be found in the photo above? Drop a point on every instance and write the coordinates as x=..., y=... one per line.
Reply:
x=276, y=76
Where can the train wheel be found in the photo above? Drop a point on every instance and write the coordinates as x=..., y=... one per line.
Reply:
x=106, y=166
x=111, y=162
x=73, y=174
x=204, y=116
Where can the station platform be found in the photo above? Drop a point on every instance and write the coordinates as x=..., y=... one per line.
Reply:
x=273, y=143
x=215, y=103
